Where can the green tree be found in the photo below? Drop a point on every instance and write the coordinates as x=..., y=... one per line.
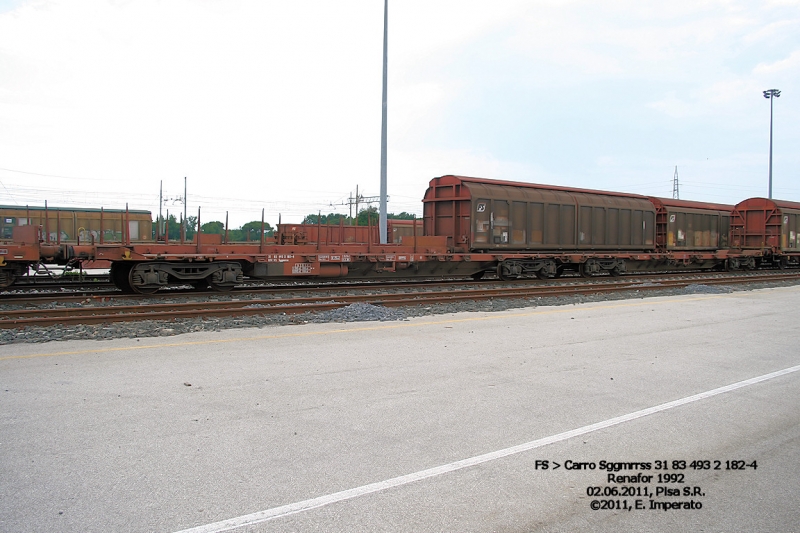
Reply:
x=370, y=213
x=401, y=216
x=330, y=218
x=368, y=216
x=251, y=231
x=216, y=227
x=191, y=227
x=174, y=227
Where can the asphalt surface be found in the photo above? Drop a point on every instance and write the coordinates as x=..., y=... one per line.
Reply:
x=432, y=424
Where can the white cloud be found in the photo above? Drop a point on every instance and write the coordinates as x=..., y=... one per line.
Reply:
x=278, y=103
x=788, y=64
x=772, y=31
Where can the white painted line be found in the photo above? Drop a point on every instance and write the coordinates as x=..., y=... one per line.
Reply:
x=313, y=503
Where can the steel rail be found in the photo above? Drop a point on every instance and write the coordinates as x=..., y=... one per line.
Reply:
x=114, y=294
x=167, y=311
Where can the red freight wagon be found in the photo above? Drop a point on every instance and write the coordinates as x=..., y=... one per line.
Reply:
x=682, y=225
x=772, y=226
x=489, y=215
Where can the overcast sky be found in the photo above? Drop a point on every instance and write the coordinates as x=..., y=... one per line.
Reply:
x=277, y=104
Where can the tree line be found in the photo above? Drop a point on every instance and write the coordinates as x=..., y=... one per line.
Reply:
x=251, y=230
x=364, y=218
x=247, y=232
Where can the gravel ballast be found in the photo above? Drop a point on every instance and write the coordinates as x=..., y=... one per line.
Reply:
x=358, y=312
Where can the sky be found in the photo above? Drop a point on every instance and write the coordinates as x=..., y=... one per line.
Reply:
x=276, y=105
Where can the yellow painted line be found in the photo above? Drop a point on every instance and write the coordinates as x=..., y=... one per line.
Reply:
x=383, y=327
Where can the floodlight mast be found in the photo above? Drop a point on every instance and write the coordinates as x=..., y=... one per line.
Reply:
x=382, y=226
x=771, y=94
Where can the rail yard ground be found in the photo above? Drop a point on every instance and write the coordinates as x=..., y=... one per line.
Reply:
x=179, y=313
x=509, y=421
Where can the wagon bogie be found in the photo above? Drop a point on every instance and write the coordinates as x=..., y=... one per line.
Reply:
x=147, y=277
x=9, y=274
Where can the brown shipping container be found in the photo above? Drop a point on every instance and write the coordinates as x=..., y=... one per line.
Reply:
x=66, y=224
x=479, y=214
x=396, y=230
x=760, y=223
x=686, y=225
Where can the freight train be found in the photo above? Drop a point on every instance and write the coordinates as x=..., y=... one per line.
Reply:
x=470, y=226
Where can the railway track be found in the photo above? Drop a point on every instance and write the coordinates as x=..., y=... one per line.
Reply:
x=70, y=293
x=411, y=294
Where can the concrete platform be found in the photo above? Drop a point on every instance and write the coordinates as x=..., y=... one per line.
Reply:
x=437, y=424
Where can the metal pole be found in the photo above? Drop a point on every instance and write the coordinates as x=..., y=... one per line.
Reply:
x=382, y=221
x=770, y=147
x=199, y=230
x=185, y=203
x=46, y=223
x=771, y=94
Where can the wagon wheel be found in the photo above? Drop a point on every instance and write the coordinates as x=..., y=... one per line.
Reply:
x=615, y=272
x=7, y=277
x=219, y=287
x=541, y=274
x=503, y=274
x=144, y=290
x=138, y=288
x=120, y=276
x=199, y=284
x=584, y=272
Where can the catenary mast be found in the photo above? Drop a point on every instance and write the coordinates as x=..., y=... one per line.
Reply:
x=382, y=220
